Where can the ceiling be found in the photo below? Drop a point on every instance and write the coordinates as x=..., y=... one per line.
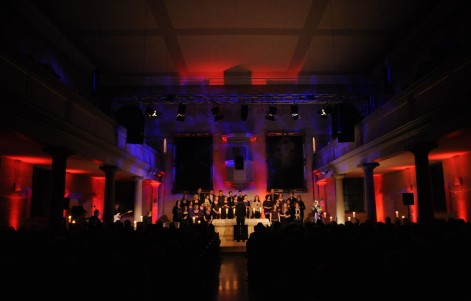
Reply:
x=262, y=44
x=154, y=47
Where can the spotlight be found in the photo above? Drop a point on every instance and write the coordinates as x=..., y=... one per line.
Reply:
x=217, y=113
x=244, y=112
x=152, y=112
x=294, y=112
x=325, y=111
x=181, y=112
x=271, y=113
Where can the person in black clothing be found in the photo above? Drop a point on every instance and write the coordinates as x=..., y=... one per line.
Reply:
x=94, y=222
x=231, y=202
x=148, y=218
x=240, y=213
x=177, y=211
x=302, y=206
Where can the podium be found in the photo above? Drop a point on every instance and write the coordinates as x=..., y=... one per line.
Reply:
x=225, y=228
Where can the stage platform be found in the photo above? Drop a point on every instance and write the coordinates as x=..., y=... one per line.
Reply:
x=225, y=228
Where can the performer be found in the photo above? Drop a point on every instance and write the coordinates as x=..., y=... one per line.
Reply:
x=256, y=207
x=240, y=213
x=117, y=213
x=231, y=202
x=316, y=210
x=222, y=202
x=148, y=217
x=94, y=222
x=268, y=205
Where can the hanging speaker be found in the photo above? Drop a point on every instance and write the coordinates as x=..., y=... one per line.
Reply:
x=239, y=162
x=408, y=198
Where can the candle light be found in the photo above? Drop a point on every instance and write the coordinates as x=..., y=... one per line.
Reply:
x=331, y=218
x=397, y=213
x=325, y=214
x=193, y=219
x=142, y=218
x=349, y=218
x=403, y=217
x=70, y=218
x=353, y=214
x=233, y=210
x=135, y=225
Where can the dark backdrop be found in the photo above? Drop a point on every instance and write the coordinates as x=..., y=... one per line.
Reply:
x=285, y=161
x=193, y=163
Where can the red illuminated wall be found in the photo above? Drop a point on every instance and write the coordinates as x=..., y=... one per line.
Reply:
x=391, y=188
x=15, y=192
x=457, y=186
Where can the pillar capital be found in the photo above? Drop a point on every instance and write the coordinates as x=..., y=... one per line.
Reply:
x=421, y=147
x=138, y=178
x=368, y=166
x=58, y=150
x=154, y=184
x=339, y=176
x=109, y=169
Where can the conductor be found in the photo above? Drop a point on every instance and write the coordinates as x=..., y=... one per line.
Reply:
x=240, y=213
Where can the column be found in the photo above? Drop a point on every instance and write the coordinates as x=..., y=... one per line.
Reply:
x=423, y=179
x=369, y=190
x=110, y=172
x=155, y=198
x=59, y=164
x=322, y=197
x=138, y=199
x=339, y=200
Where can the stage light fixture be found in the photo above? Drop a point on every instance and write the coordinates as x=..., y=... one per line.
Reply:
x=271, y=113
x=181, y=112
x=217, y=113
x=325, y=111
x=152, y=112
x=294, y=112
x=244, y=112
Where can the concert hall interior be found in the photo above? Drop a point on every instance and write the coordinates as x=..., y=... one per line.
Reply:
x=131, y=130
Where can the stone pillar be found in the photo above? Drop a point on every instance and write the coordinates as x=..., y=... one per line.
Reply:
x=322, y=197
x=339, y=199
x=155, y=199
x=369, y=190
x=423, y=179
x=59, y=164
x=110, y=172
x=138, y=198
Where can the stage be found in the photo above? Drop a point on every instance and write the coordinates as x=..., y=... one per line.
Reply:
x=225, y=228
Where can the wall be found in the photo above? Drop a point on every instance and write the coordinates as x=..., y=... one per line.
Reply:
x=15, y=192
x=457, y=172
x=199, y=120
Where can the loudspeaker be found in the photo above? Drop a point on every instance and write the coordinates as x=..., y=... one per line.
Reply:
x=239, y=162
x=408, y=198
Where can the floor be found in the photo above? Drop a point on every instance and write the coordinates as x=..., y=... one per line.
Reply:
x=233, y=285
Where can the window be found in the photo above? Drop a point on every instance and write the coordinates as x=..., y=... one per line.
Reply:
x=353, y=194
